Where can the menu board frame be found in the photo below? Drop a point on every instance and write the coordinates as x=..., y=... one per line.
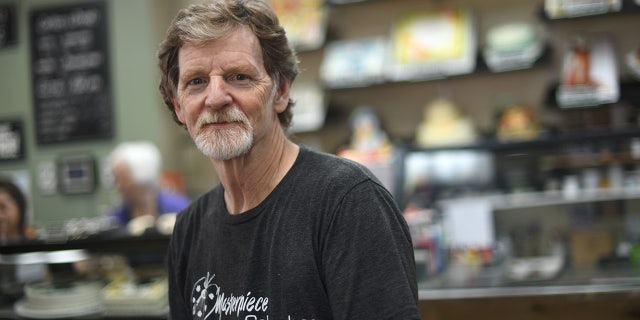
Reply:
x=8, y=25
x=70, y=69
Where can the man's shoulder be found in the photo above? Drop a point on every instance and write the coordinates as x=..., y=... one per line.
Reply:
x=197, y=205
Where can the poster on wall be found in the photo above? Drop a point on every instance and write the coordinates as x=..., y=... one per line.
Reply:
x=556, y=9
x=76, y=174
x=310, y=110
x=354, y=62
x=8, y=25
x=433, y=43
x=70, y=73
x=589, y=72
x=11, y=140
x=304, y=20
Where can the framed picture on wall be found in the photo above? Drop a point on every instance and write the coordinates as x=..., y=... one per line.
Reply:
x=8, y=25
x=11, y=140
x=556, y=9
x=304, y=20
x=76, y=174
x=589, y=73
x=354, y=62
x=433, y=43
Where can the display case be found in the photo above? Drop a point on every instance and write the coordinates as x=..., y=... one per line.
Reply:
x=108, y=275
x=570, y=187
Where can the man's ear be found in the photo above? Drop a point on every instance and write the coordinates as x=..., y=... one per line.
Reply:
x=282, y=97
x=177, y=108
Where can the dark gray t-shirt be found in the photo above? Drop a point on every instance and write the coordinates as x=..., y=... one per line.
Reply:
x=328, y=243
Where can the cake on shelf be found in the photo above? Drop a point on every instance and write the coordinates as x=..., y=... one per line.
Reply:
x=632, y=59
x=128, y=298
x=512, y=46
x=444, y=124
x=517, y=122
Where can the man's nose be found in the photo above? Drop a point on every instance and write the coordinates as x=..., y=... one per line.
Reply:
x=217, y=93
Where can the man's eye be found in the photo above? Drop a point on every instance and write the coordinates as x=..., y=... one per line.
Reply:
x=196, y=81
x=240, y=77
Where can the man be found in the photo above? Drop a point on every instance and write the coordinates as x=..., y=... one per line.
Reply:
x=136, y=168
x=289, y=233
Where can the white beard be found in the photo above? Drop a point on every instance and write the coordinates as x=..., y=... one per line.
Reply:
x=224, y=144
x=228, y=143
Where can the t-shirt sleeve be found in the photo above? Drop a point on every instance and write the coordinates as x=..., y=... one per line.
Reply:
x=367, y=258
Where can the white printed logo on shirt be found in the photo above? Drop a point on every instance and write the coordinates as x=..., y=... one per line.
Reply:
x=207, y=299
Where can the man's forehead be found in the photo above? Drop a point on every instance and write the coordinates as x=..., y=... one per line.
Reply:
x=199, y=57
x=241, y=36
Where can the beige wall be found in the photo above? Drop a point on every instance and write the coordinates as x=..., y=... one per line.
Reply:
x=134, y=30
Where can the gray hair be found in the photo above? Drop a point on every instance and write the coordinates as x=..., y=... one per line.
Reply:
x=200, y=23
x=143, y=160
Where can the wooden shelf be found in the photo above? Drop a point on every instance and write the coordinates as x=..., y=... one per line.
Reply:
x=481, y=69
x=115, y=241
x=546, y=141
x=527, y=200
x=628, y=7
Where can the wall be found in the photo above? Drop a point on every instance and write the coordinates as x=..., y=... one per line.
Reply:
x=134, y=30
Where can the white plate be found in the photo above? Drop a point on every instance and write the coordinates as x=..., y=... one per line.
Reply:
x=23, y=310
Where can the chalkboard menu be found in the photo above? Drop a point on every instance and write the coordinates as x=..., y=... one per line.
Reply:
x=70, y=69
x=8, y=25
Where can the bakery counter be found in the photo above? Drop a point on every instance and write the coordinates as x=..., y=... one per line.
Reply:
x=110, y=275
x=113, y=241
x=613, y=283
x=586, y=294
x=7, y=313
x=463, y=282
x=88, y=299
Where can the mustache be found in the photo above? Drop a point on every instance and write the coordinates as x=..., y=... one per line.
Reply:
x=229, y=115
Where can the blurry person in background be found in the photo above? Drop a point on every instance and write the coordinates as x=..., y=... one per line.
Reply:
x=136, y=168
x=289, y=232
x=13, y=213
x=15, y=228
